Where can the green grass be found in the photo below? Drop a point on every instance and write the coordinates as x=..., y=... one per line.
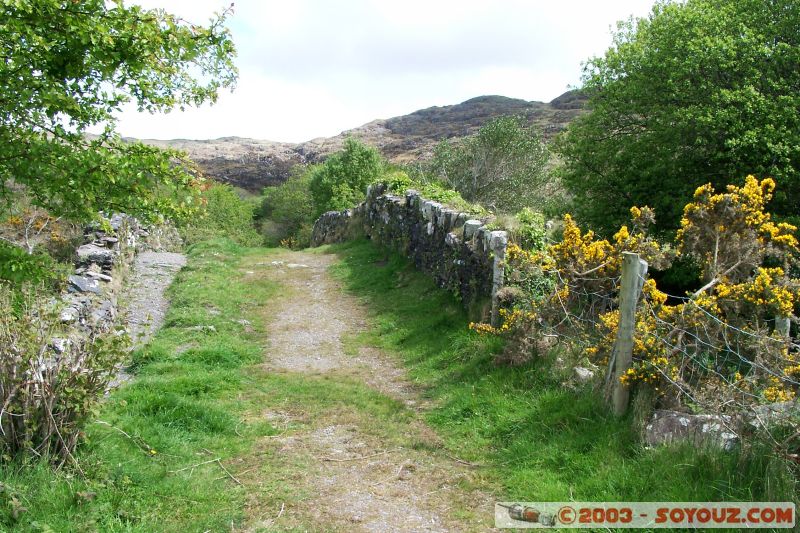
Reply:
x=202, y=394
x=184, y=408
x=540, y=440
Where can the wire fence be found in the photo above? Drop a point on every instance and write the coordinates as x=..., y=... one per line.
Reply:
x=694, y=354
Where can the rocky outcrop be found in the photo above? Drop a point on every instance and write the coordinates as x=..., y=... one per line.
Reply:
x=253, y=164
x=456, y=249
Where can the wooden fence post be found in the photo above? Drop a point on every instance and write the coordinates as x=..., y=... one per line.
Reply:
x=634, y=271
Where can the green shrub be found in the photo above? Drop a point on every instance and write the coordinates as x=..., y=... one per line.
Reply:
x=287, y=211
x=696, y=92
x=531, y=233
x=45, y=400
x=526, y=229
x=303, y=235
x=399, y=182
x=17, y=267
x=341, y=181
x=225, y=215
x=504, y=166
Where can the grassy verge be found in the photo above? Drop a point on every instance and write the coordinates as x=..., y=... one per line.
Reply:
x=540, y=440
x=183, y=409
x=201, y=394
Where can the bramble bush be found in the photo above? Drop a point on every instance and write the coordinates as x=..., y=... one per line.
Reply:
x=45, y=396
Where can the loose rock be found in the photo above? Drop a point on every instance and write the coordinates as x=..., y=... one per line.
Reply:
x=672, y=426
x=83, y=284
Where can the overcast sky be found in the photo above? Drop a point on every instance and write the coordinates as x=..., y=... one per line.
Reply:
x=313, y=68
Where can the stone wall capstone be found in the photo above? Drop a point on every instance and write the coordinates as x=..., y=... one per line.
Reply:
x=456, y=249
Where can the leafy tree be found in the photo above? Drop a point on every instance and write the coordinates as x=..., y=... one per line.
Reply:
x=699, y=91
x=225, y=214
x=288, y=209
x=503, y=166
x=341, y=181
x=69, y=65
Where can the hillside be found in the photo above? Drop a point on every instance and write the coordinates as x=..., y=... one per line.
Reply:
x=252, y=164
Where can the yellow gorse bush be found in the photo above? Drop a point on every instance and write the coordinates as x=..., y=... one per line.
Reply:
x=717, y=344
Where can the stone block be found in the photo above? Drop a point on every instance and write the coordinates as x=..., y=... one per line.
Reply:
x=91, y=253
x=60, y=345
x=671, y=426
x=69, y=315
x=498, y=241
x=583, y=375
x=470, y=227
x=83, y=284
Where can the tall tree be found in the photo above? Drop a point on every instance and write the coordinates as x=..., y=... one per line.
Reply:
x=699, y=91
x=69, y=65
x=341, y=181
x=503, y=166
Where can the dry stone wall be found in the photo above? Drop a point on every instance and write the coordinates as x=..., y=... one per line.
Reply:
x=455, y=248
x=91, y=302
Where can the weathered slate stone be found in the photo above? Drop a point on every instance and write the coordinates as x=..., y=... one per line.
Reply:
x=105, y=312
x=765, y=416
x=84, y=284
x=91, y=253
x=470, y=227
x=98, y=275
x=69, y=315
x=583, y=375
x=671, y=426
x=59, y=345
x=498, y=240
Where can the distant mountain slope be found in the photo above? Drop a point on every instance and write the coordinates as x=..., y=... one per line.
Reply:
x=252, y=164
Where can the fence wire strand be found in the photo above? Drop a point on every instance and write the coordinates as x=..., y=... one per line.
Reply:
x=714, y=365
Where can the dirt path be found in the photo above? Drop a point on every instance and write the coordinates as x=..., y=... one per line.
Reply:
x=144, y=299
x=358, y=477
x=145, y=294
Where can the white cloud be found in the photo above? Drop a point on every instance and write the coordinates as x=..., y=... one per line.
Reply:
x=313, y=68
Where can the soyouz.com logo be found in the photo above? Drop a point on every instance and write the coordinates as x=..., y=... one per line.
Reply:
x=754, y=515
